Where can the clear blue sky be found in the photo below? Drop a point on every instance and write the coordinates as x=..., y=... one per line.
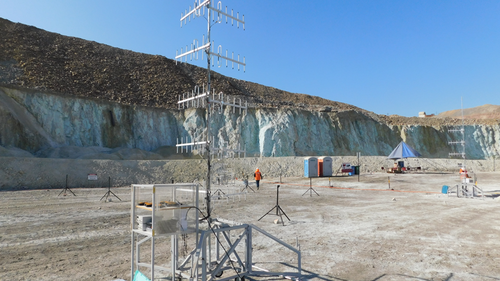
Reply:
x=389, y=57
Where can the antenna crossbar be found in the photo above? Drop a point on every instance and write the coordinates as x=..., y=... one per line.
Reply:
x=231, y=16
x=226, y=152
x=461, y=154
x=192, y=51
x=184, y=144
x=206, y=48
x=193, y=98
x=194, y=10
x=233, y=104
x=232, y=60
x=222, y=152
x=192, y=143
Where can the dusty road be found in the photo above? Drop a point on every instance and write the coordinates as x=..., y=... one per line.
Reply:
x=351, y=231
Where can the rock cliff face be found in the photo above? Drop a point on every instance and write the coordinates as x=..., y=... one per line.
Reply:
x=37, y=59
x=62, y=96
x=34, y=121
x=487, y=111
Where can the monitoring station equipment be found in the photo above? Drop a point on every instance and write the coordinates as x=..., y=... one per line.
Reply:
x=223, y=250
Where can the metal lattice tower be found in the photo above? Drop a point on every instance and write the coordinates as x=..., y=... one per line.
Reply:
x=462, y=142
x=208, y=98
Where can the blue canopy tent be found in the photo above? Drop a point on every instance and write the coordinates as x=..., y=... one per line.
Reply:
x=403, y=151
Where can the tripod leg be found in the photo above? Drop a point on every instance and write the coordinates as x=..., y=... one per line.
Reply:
x=315, y=191
x=281, y=210
x=305, y=192
x=106, y=194
x=281, y=216
x=115, y=195
x=267, y=213
x=61, y=192
x=248, y=187
x=71, y=192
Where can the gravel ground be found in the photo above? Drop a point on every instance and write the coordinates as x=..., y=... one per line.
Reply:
x=352, y=230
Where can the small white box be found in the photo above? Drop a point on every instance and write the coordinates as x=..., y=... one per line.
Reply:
x=143, y=221
x=467, y=180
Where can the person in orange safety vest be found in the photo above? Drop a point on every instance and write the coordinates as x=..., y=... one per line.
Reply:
x=463, y=173
x=258, y=176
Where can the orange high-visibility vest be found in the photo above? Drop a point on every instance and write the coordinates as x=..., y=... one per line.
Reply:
x=257, y=175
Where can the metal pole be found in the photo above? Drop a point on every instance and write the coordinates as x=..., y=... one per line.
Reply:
x=463, y=129
x=208, y=114
x=310, y=186
x=359, y=166
x=132, y=238
x=248, y=264
x=153, y=222
x=277, y=198
x=174, y=254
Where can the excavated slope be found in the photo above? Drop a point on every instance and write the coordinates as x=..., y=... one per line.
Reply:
x=37, y=59
x=487, y=111
x=61, y=94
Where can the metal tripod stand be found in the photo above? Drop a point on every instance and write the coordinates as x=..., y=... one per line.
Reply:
x=109, y=192
x=279, y=211
x=310, y=189
x=66, y=188
x=247, y=185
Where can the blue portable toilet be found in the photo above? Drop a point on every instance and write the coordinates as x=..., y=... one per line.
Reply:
x=311, y=167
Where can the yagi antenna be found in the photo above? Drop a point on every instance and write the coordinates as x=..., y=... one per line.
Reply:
x=198, y=10
x=207, y=96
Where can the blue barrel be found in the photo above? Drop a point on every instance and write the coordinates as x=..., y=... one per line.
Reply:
x=444, y=190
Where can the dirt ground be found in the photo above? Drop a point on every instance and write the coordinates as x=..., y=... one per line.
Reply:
x=366, y=230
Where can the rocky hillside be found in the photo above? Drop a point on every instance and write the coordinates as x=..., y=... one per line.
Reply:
x=487, y=111
x=37, y=59
x=59, y=95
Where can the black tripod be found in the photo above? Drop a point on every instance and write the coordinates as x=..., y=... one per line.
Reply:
x=218, y=192
x=279, y=211
x=247, y=186
x=66, y=188
x=310, y=189
x=109, y=192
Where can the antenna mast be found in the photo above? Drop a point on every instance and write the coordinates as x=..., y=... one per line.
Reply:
x=462, y=131
x=214, y=15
